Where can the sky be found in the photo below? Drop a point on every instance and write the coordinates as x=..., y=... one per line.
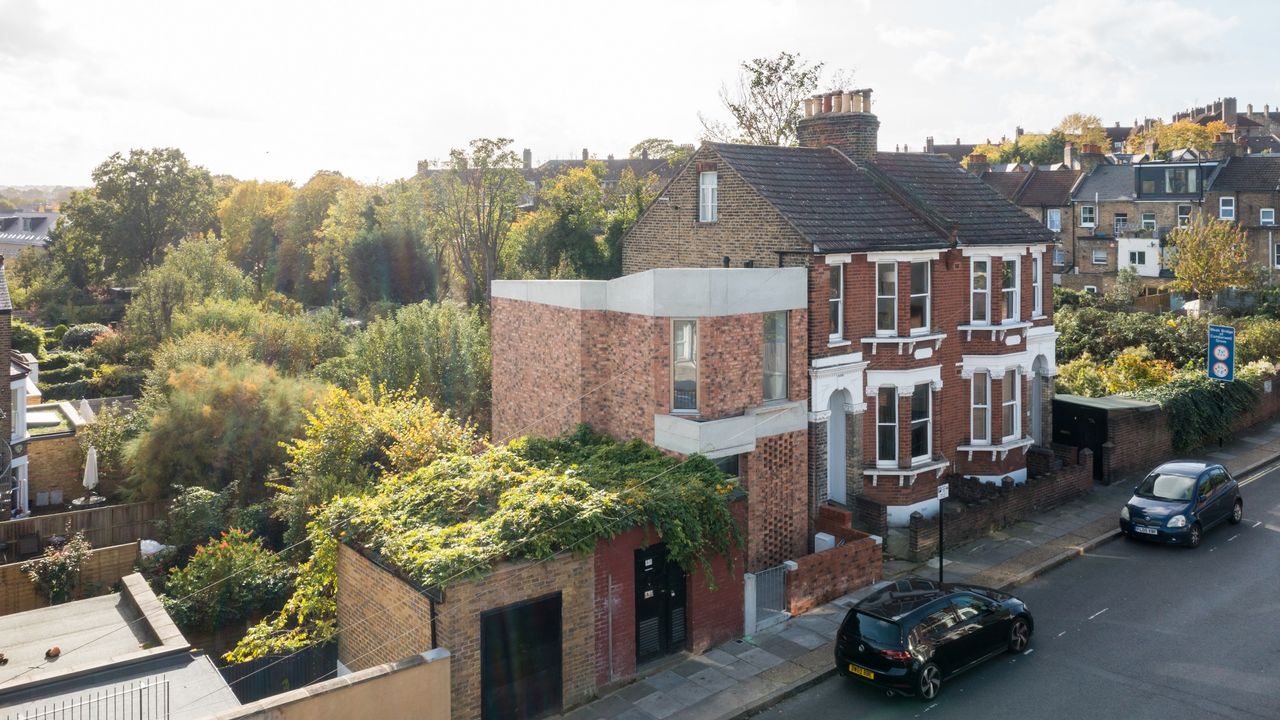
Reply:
x=278, y=90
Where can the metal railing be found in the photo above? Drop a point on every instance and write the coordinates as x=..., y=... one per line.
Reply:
x=766, y=598
x=140, y=700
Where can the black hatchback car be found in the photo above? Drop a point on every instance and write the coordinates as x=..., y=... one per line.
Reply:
x=911, y=635
x=1179, y=501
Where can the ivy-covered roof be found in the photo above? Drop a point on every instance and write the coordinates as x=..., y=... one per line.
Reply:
x=534, y=498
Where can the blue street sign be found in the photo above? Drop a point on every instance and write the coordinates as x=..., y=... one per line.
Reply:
x=1222, y=353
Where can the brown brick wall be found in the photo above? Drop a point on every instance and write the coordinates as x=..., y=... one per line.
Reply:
x=54, y=464
x=854, y=563
x=669, y=234
x=103, y=568
x=777, y=515
x=537, y=369
x=381, y=618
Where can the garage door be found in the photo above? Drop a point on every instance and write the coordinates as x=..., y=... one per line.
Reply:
x=520, y=656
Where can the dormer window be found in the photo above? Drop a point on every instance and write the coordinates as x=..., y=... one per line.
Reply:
x=26, y=224
x=708, y=196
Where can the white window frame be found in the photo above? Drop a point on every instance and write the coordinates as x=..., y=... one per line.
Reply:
x=892, y=392
x=837, y=271
x=1053, y=219
x=892, y=299
x=1275, y=254
x=927, y=295
x=1118, y=222
x=1011, y=312
x=1184, y=220
x=1088, y=216
x=1092, y=289
x=694, y=357
x=1015, y=404
x=981, y=380
x=1095, y=257
x=1226, y=208
x=1266, y=216
x=786, y=359
x=1137, y=257
x=708, y=196
x=1037, y=285
x=974, y=273
x=1059, y=257
x=18, y=411
x=1148, y=221
x=927, y=390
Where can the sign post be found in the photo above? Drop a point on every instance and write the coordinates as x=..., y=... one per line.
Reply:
x=1222, y=353
x=944, y=491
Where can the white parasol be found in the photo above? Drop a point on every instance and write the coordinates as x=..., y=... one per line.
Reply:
x=91, y=469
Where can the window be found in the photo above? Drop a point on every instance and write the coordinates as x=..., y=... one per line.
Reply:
x=1053, y=219
x=886, y=298
x=26, y=224
x=1011, y=415
x=684, y=365
x=1180, y=181
x=835, y=304
x=1117, y=225
x=980, y=291
x=708, y=196
x=1037, y=286
x=920, y=297
x=775, y=355
x=1059, y=257
x=968, y=607
x=1148, y=221
x=1009, y=288
x=933, y=627
x=980, y=416
x=1275, y=252
x=887, y=426
x=1088, y=216
x=1267, y=216
x=1099, y=257
x=728, y=465
x=1091, y=289
x=1227, y=208
x=1137, y=257
x=921, y=423
x=1184, y=215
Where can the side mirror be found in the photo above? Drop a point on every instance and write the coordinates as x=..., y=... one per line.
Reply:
x=1135, y=489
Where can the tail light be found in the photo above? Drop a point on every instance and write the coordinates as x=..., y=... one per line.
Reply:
x=898, y=655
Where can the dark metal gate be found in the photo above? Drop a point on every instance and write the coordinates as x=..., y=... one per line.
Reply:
x=660, y=604
x=265, y=676
x=520, y=660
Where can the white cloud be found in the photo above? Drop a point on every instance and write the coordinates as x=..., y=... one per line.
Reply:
x=900, y=36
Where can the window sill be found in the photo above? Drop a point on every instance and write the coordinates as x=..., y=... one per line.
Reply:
x=997, y=331
x=838, y=343
x=1002, y=449
x=907, y=476
x=908, y=342
x=684, y=413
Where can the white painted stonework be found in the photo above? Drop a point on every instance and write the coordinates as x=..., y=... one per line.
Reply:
x=831, y=374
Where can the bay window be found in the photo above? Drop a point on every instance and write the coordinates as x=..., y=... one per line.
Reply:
x=980, y=293
x=887, y=426
x=1009, y=289
x=886, y=298
x=1011, y=405
x=835, y=302
x=920, y=297
x=980, y=414
x=1037, y=286
x=921, y=423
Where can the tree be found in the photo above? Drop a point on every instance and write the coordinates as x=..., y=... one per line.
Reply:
x=229, y=579
x=475, y=201
x=625, y=203
x=766, y=104
x=195, y=271
x=253, y=218
x=1125, y=292
x=220, y=428
x=1082, y=130
x=303, y=227
x=558, y=240
x=661, y=149
x=138, y=207
x=1176, y=136
x=290, y=341
x=56, y=573
x=1209, y=256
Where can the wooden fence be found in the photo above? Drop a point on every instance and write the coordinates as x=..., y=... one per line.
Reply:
x=109, y=525
x=102, y=569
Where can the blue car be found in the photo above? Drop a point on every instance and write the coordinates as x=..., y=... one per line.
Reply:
x=1179, y=501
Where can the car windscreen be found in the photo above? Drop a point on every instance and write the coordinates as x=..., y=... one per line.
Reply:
x=878, y=631
x=1162, y=486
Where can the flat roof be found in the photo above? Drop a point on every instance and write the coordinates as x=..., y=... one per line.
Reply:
x=172, y=686
x=98, y=630
x=1110, y=402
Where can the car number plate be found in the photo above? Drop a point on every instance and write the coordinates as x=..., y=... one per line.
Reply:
x=863, y=672
x=1146, y=530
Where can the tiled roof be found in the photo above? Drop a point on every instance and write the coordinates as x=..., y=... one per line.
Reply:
x=956, y=152
x=1006, y=183
x=1107, y=182
x=833, y=203
x=1118, y=134
x=1049, y=188
x=981, y=215
x=1262, y=143
x=1251, y=173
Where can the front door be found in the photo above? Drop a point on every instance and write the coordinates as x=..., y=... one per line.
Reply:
x=520, y=660
x=660, y=604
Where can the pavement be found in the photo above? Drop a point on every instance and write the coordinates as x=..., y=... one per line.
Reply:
x=746, y=676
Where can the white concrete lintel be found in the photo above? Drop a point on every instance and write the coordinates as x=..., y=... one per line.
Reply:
x=904, y=380
x=731, y=435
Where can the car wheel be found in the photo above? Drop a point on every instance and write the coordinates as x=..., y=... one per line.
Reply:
x=1019, y=635
x=929, y=682
x=1237, y=512
x=1193, y=538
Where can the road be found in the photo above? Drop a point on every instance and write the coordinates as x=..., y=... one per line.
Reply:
x=1132, y=630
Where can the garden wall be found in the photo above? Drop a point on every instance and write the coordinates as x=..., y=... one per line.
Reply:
x=856, y=561
x=109, y=525
x=977, y=508
x=103, y=568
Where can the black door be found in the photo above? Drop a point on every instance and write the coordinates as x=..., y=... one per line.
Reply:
x=660, y=604
x=520, y=660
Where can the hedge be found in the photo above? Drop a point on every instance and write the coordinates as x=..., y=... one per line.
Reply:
x=1200, y=410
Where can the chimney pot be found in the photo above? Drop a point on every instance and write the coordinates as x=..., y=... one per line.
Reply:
x=851, y=128
x=585, y=155
x=957, y=141
x=528, y=159
x=848, y=102
x=826, y=103
x=837, y=102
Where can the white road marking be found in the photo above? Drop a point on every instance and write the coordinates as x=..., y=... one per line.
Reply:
x=1064, y=632
x=1233, y=537
x=1257, y=523
x=1098, y=613
x=1029, y=651
x=1212, y=549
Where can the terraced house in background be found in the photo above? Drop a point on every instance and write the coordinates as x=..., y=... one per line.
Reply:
x=927, y=347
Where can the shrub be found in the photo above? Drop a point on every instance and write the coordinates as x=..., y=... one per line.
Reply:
x=1258, y=339
x=58, y=331
x=1105, y=334
x=1199, y=409
x=64, y=374
x=27, y=338
x=67, y=391
x=1068, y=298
x=79, y=337
x=227, y=580
x=195, y=516
x=110, y=434
x=113, y=380
x=56, y=573
x=1081, y=376
x=291, y=343
x=61, y=359
x=202, y=347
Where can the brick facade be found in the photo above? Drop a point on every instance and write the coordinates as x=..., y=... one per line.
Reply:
x=381, y=617
x=855, y=562
x=55, y=464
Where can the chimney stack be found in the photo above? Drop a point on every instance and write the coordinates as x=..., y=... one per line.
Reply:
x=977, y=163
x=1225, y=146
x=585, y=155
x=1229, y=115
x=842, y=120
x=1090, y=157
x=1069, y=156
x=928, y=144
x=528, y=159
